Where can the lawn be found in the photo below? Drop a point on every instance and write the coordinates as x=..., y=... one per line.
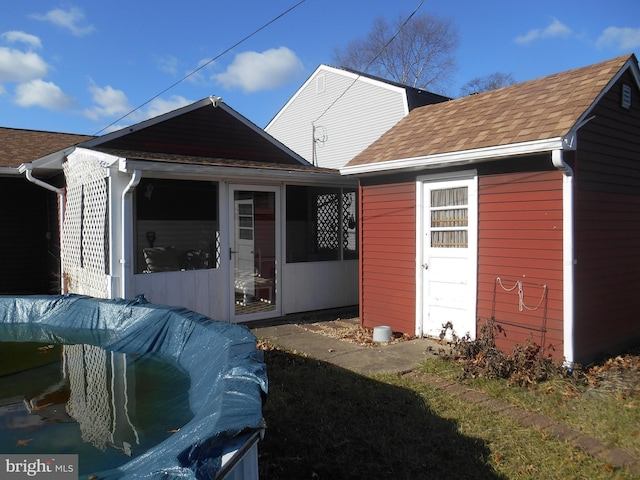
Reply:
x=324, y=422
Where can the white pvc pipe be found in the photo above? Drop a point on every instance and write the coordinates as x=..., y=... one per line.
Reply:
x=133, y=183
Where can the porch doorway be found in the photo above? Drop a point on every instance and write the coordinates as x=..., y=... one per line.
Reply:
x=254, y=251
x=448, y=263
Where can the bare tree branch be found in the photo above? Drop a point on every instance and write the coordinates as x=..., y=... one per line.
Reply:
x=486, y=83
x=421, y=55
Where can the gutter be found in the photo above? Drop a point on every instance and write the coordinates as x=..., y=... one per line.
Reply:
x=277, y=176
x=12, y=171
x=457, y=158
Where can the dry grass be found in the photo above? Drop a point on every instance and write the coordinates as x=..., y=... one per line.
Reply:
x=324, y=422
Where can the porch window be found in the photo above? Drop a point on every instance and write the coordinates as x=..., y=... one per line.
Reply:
x=321, y=224
x=176, y=225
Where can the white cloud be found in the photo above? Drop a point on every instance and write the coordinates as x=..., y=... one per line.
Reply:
x=22, y=37
x=198, y=77
x=110, y=102
x=38, y=93
x=71, y=19
x=626, y=39
x=253, y=71
x=18, y=66
x=167, y=64
x=159, y=106
x=554, y=30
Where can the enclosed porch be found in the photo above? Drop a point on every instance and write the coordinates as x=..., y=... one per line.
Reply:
x=235, y=246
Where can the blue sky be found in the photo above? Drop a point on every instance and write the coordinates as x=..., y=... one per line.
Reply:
x=78, y=67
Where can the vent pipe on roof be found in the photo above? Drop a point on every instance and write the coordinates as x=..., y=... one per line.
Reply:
x=215, y=101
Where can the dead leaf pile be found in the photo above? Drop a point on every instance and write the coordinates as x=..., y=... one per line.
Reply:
x=350, y=330
x=620, y=374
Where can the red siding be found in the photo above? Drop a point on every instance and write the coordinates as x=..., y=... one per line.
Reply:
x=387, y=260
x=607, y=219
x=520, y=258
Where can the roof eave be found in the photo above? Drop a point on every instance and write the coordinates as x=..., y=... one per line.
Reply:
x=49, y=164
x=235, y=173
x=463, y=157
x=630, y=65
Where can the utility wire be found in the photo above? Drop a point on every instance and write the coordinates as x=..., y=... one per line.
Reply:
x=384, y=47
x=239, y=42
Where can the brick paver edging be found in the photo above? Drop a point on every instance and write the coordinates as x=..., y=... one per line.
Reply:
x=616, y=457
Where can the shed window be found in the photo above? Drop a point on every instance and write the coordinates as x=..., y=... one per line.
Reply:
x=321, y=224
x=176, y=225
x=449, y=218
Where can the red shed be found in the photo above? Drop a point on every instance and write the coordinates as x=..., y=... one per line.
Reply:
x=520, y=205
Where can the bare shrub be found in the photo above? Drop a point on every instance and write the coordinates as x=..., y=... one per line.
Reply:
x=524, y=366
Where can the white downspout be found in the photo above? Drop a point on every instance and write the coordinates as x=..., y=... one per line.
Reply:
x=567, y=255
x=27, y=168
x=126, y=233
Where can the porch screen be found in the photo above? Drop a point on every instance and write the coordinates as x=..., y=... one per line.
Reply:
x=449, y=218
x=176, y=225
x=321, y=224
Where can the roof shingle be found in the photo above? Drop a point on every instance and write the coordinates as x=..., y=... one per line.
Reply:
x=19, y=146
x=539, y=109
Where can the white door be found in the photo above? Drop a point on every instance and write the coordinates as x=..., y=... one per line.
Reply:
x=447, y=272
x=254, y=251
x=244, y=258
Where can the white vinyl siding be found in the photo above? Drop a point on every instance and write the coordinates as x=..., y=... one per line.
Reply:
x=350, y=113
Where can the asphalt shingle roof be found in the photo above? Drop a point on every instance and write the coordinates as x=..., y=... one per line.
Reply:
x=539, y=109
x=19, y=146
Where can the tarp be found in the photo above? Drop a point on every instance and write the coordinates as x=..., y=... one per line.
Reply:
x=227, y=373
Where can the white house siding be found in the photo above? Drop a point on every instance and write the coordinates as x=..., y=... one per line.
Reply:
x=203, y=291
x=319, y=285
x=306, y=286
x=350, y=112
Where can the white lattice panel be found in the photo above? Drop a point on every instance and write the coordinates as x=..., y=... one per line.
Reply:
x=84, y=233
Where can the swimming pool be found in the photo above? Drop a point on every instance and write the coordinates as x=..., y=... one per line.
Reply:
x=223, y=376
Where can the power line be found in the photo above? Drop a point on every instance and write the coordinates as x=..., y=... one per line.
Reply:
x=239, y=42
x=384, y=47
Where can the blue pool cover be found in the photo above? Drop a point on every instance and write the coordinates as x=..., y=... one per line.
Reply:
x=227, y=372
